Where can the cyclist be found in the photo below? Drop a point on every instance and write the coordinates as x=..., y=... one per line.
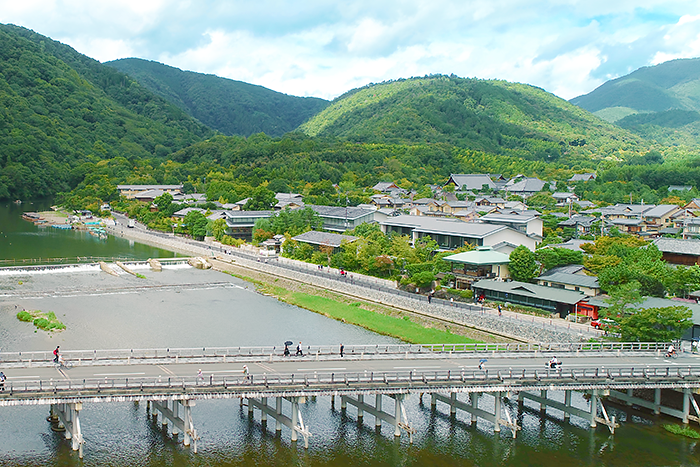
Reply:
x=671, y=350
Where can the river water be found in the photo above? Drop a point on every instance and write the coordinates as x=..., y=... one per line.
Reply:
x=184, y=307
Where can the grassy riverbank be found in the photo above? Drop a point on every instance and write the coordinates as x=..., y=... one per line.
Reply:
x=405, y=327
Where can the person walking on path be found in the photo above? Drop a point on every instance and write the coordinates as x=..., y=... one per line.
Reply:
x=342, y=349
x=246, y=373
x=499, y=311
x=200, y=375
x=299, y=351
x=2, y=381
x=55, y=354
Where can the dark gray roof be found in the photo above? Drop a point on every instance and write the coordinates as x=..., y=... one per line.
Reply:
x=678, y=246
x=570, y=279
x=472, y=181
x=324, y=238
x=582, y=177
x=340, y=212
x=509, y=218
x=660, y=210
x=149, y=187
x=573, y=244
x=526, y=185
x=570, y=297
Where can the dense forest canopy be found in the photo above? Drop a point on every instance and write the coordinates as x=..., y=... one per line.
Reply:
x=231, y=107
x=60, y=109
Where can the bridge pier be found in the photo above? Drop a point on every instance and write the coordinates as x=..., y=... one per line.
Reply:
x=684, y=414
x=399, y=420
x=180, y=418
x=591, y=416
x=68, y=416
x=473, y=409
x=295, y=423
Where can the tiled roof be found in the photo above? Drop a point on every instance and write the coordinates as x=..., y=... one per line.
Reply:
x=525, y=289
x=324, y=238
x=678, y=246
x=472, y=181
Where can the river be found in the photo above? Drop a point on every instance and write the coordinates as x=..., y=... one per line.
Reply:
x=184, y=307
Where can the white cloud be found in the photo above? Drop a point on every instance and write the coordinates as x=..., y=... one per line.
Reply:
x=324, y=48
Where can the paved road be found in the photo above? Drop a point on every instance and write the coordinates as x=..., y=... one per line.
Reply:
x=306, y=365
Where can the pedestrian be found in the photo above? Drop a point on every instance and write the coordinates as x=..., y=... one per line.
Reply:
x=452, y=301
x=342, y=349
x=246, y=373
x=286, y=350
x=55, y=354
x=299, y=351
x=2, y=381
x=200, y=375
x=481, y=364
x=430, y=297
x=499, y=311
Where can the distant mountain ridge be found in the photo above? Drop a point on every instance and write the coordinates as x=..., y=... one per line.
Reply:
x=486, y=115
x=231, y=107
x=660, y=103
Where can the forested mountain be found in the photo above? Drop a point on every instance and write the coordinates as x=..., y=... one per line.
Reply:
x=60, y=109
x=496, y=117
x=231, y=107
x=659, y=102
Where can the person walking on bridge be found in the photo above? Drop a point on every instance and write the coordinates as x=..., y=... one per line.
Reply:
x=56, y=354
x=299, y=351
x=342, y=350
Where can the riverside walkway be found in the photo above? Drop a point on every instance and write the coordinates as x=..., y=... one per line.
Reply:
x=171, y=381
x=510, y=325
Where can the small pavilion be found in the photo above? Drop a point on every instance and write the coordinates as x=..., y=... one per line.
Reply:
x=481, y=263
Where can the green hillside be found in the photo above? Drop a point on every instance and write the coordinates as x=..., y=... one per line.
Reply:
x=670, y=85
x=659, y=103
x=491, y=116
x=60, y=110
x=231, y=107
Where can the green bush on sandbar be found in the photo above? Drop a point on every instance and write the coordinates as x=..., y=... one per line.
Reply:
x=25, y=316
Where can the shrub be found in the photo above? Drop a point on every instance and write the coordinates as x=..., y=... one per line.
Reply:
x=683, y=431
x=24, y=316
x=466, y=294
x=42, y=323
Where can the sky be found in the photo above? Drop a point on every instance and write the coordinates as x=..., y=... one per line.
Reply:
x=324, y=48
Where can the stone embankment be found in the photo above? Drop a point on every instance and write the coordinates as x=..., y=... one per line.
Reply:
x=511, y=325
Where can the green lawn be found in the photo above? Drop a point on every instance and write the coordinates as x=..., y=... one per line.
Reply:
x=403, y=329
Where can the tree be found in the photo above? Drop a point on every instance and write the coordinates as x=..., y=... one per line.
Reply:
x=260, y=200
x=163, y=201
x=219, y=229
x=522, y=264
x=655, y=324
x=196, y=224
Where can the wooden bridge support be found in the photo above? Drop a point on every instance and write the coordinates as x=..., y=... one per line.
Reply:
x=592, y=416
x=473, y=408
x=69, y=417
x=684, y=414
x=399, y=420
x=295, y=423
x=179, y=414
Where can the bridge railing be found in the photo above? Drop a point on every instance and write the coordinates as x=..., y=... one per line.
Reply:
x=351, y=351
x=689, y=375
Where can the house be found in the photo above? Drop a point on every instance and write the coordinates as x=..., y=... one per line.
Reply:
x=184, y=211
x=525, y=222
x=385, y=187
x=630, y=226
x=450, y=234
x=465, y=182
x=525, y=186
x=490, y=201
x=659, y=217
x=678, y=251
x=572, y=277
x=482, y=263
x=582, y=224
x=564, y=198
x=288, y=200
x=319, y=239
x=147, y=196
x=192, y=198
x=623, y=211
x=560, y=301
x=693, y=204
x=582, y=177
x=130, y=190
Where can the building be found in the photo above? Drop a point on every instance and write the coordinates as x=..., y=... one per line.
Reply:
x=582, y=224
x=582, y=177
x=130, y=190
x=481, y=263
x=525, y=186
x=555, y=300
x=385, y=187
x=525, y=222
x=466, y=182
x=571, y=277
x=678, y=251
x=450, y=234
x=340, y=219
x=660, y=217
x=239, y=224
x=319, y=239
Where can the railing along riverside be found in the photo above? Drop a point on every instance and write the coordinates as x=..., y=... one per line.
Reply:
x=370, y=381
x=106, y=356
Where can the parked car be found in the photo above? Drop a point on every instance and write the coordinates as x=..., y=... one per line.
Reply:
x=602, y=323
